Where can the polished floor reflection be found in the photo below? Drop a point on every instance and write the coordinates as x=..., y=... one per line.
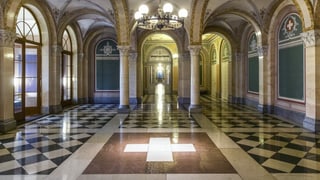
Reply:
x=160, y=140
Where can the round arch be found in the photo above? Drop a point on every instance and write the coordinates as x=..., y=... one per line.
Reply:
x=161, y=51
x=46, y=26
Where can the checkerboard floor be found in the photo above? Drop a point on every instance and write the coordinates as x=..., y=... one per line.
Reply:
x=282, y=152
x=153, y=115
x=42, y=145
x=277, y=152
x=45, y=147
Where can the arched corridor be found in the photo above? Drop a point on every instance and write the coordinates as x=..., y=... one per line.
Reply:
x=172, y=89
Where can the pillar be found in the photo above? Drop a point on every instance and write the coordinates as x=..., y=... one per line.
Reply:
x=184, y=79
x=265, y=85
x=82, y=99
x=7, y=121
x=195, y=79
x=238, y=87
x=133, y=78
x=312, y=62
x=55, y=79
x=124, y=79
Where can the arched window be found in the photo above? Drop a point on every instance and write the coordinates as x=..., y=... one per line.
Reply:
x=27, y=66
x=66, y=68
x=253, y=65
x=291, y=59
x=107, y=66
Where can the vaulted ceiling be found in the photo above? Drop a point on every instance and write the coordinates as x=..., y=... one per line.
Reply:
x=223, y=14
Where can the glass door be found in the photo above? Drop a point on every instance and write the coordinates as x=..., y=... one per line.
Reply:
x=32, y=90
x=66, y=79
x=27, y=100
x=19, y=112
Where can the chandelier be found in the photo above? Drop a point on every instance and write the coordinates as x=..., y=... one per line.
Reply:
x=164, y=19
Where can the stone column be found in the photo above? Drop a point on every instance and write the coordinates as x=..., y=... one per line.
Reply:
x=133, y=91
x=239, y=77
x=82, y=99
x=7, y=121
x=124, y=79
x=264, y=81
x=195, y=79
x=55, y=79
x=184, y=79
x=312, y=44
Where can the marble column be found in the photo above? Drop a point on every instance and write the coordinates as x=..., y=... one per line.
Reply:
x=239, y=78
x=124, y=79
x=82, y=99
x=312, y=44
x=195, y=106
x=184, y=78
x=133, y=76
x=55, y=79
x=7, y=121
x=264, y=81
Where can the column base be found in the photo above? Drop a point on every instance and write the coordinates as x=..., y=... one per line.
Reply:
x=135, y=100
x=7, y=125
x=124, y=109
x=183, y=100
x=195, y=109
x=83, y=100
x=311, y=124
x=237, y=100
x=55, y=109
x=265, y=108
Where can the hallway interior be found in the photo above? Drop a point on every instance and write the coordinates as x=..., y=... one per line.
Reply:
x=227, y=141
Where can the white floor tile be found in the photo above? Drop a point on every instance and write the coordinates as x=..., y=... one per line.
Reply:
x=40, y=166
x=159, y=156
x=136, y=148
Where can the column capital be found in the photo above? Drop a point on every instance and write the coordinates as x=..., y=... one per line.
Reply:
x=311, y=38
x=133, y=56
x=124, y=49
x=238, y=56
x=262, y=51
x=56, y=48
x=7, y=38
x=195, y=49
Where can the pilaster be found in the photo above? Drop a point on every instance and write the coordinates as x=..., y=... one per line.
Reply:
x=265, y=74
x=312, y=46
x=55, y=79
x=7, y=121
x=133, y=78
x=184, y=78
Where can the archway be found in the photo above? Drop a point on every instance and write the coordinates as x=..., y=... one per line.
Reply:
x=216, y=67
x=160, y=64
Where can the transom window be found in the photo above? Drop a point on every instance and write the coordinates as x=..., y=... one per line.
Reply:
x=27, y=27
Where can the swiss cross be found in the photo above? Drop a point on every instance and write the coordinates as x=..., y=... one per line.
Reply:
x=159, y=149
x=289, y=25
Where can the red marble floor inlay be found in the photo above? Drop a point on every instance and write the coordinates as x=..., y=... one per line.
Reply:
x=113, y=160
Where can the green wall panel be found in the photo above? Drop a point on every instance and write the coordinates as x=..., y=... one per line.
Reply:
x=108, y=74
x=254, y=74
x=107, y=66
x=291, y=72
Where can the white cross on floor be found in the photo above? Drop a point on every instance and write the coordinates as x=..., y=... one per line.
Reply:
x=159, y=149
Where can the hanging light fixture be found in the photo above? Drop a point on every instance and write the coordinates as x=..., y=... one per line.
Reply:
x=164, y=19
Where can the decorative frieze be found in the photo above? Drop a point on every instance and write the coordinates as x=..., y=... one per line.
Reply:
x=7, y=38
x=311, y=38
